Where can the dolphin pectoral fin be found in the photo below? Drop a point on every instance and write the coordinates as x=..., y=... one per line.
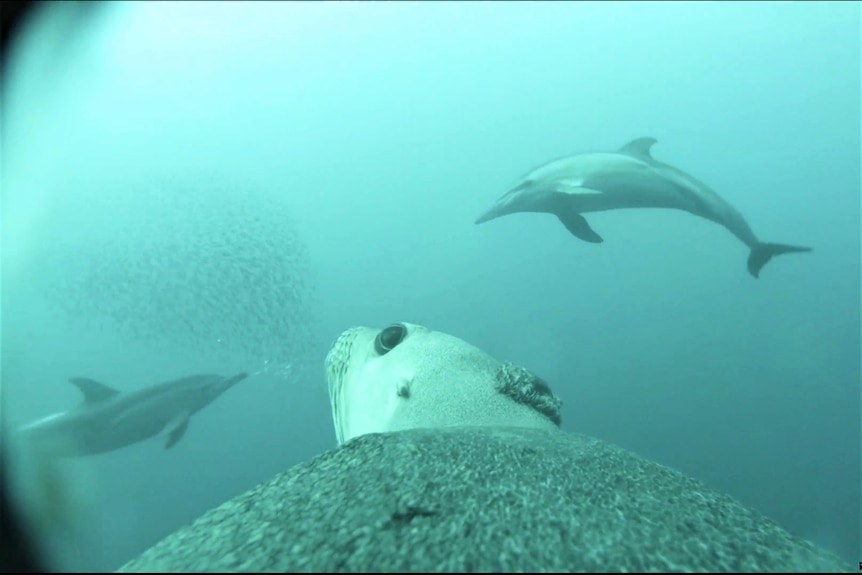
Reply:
x=177, y=434
x=93, y=391
x=579, y=227
x=176, y=429
x=763, y=252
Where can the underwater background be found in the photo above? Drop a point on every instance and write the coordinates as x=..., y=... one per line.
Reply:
x=220, y=187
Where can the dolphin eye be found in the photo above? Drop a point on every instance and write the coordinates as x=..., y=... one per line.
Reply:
x=388, y=338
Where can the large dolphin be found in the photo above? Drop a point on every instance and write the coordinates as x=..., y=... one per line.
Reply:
x=108, y=419
x=627, y=178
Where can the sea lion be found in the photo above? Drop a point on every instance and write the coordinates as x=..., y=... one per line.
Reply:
x=407, y=376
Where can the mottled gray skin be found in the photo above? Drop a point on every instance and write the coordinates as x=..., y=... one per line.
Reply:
x=482, y=499
x=108, y=419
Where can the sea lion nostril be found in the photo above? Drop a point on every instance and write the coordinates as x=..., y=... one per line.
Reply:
x=389, y=338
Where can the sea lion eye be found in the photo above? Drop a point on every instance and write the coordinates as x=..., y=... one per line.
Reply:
x=389, y=338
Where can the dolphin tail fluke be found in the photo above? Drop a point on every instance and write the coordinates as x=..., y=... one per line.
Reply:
x=763, y=252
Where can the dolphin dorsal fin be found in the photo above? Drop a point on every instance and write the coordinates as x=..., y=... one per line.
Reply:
x=639, y=148
x=93, y=390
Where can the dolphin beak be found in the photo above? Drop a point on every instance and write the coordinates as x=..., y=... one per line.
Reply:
x=492, y=213
x=507, y=204
x=231, y=381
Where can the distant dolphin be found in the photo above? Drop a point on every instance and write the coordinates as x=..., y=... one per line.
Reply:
x=628, y=178
x=109, y=420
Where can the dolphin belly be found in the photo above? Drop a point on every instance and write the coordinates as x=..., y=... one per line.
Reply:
x=94, y=432
x=118, y=436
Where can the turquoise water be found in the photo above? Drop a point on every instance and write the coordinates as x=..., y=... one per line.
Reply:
x=338, y=154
